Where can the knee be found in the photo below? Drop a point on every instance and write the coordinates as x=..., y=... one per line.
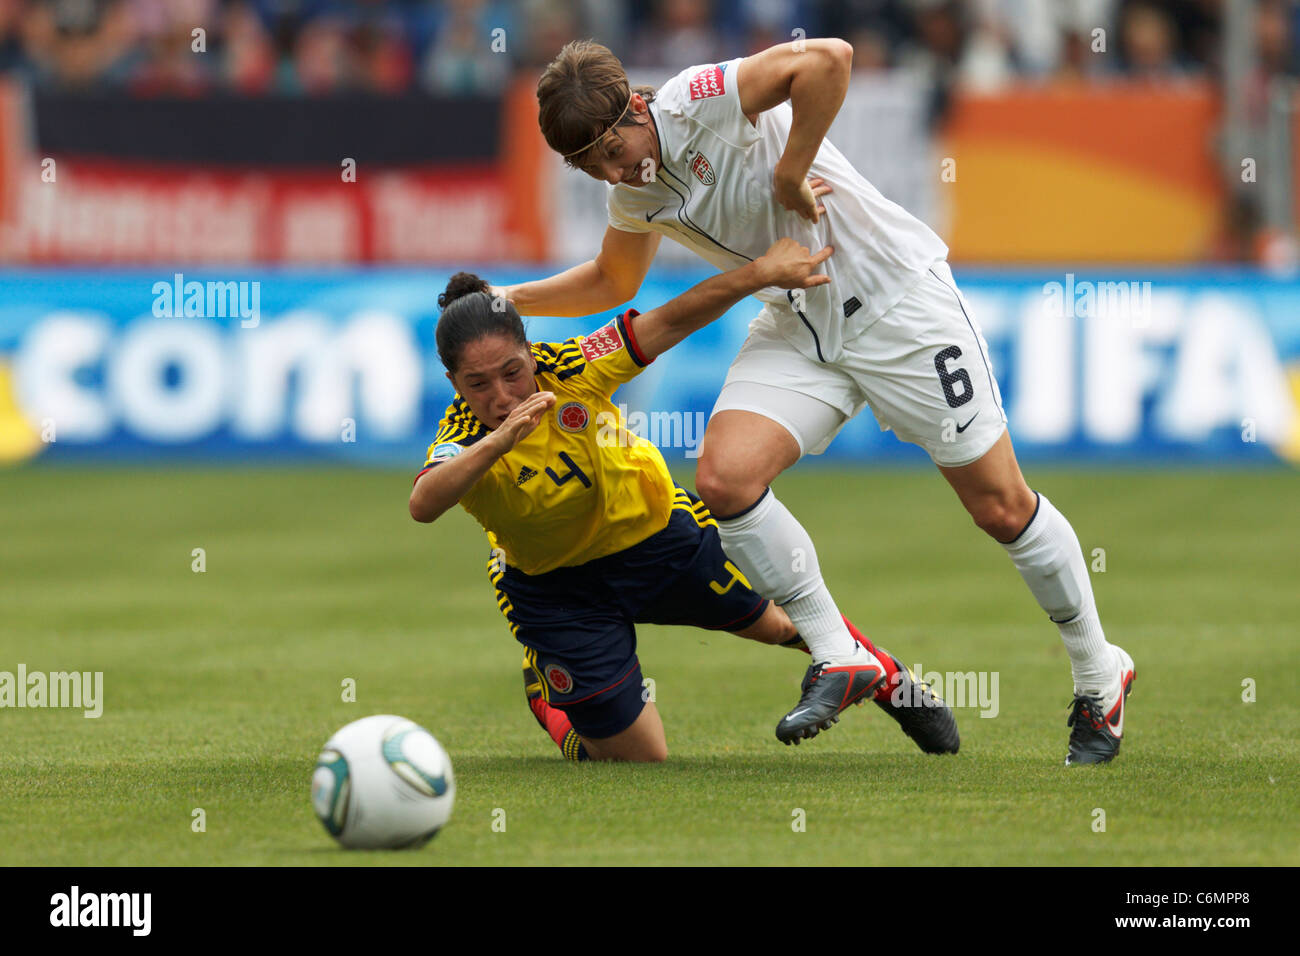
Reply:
x=1000, y=517
x=723, y=489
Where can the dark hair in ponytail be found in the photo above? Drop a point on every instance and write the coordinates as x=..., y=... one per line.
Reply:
x=468, y=315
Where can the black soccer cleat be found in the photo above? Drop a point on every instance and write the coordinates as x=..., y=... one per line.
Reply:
x=828, y=689
x=1098, y=722
x=921, y=713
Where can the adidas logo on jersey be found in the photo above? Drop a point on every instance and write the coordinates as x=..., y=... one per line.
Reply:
x=524, y=474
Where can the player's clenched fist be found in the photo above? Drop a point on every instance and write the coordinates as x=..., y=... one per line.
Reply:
x=520, y=423
x=789, y=265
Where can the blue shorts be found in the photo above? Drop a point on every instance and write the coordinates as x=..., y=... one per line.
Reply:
x=578, y=623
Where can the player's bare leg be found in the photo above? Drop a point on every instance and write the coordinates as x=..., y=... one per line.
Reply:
x=994, y=491
x=643, y=742
x=773, y=627
x=743, y=452
x=1046, y=552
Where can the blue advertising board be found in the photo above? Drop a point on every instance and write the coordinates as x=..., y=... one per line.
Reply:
x=230, y=366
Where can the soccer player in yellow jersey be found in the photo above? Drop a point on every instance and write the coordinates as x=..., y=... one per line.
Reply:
x=589, y=533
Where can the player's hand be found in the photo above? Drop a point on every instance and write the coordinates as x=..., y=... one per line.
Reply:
x=799, y=194
x=502, y=292
x=789, y=265
x=526, y=416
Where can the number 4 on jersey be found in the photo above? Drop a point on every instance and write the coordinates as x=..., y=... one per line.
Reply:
x=573, y=472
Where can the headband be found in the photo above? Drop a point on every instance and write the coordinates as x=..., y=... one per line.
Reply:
x=602, y=135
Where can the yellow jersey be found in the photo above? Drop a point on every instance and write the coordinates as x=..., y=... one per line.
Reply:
x=580, y=486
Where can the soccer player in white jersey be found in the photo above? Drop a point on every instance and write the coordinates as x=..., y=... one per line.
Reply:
x=725, y=159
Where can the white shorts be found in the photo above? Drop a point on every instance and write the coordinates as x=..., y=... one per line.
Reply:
x=923, y=367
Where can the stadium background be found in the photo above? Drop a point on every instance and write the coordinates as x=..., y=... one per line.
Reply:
x=347, y=156
x=1116, y=180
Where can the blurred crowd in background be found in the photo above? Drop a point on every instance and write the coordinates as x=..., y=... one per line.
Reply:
x=320, y=47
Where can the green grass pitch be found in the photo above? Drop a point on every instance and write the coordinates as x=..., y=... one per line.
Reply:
x=220, y=687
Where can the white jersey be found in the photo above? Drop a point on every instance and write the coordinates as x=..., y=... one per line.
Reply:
x=713, y=194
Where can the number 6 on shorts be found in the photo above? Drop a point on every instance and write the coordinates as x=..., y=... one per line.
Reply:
x=946, y=378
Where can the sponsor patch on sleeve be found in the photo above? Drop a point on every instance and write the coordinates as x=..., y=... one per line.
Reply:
x=448, y=449
x=601, y=342
x=706, y=83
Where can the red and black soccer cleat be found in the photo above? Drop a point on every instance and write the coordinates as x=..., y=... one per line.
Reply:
x=827, y=689
x=921, y=713
x=1098, y=722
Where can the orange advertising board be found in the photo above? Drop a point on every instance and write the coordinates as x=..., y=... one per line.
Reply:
x=1122, y=173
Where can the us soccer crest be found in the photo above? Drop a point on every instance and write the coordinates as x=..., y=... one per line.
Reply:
x=703, y=170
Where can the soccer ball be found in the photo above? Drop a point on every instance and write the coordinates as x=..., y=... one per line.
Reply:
x=383, y=782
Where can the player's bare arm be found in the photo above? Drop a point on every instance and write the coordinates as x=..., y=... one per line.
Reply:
x=441, y=487
x=610, y=279
x=814, y=76
x=786, y=265
x=603, y=283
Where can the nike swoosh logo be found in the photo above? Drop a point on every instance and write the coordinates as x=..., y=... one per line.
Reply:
x=795, y=713
x=962, y=428
x=1115, y=719
x=649, y=217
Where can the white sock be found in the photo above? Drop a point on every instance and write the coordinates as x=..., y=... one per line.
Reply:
x=778, y=557
x=1048, y=557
